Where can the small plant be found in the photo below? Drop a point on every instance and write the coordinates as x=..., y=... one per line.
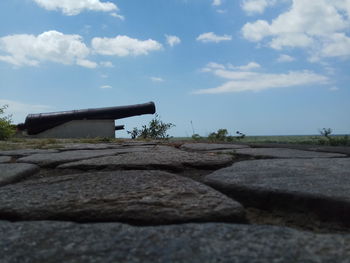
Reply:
x=326, y=132
x=7, y=130
x=222, y=136
x=196, y=137
x=332, y=140
x=156, y=129
x=240, y=135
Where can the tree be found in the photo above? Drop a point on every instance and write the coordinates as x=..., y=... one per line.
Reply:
x=6, y=128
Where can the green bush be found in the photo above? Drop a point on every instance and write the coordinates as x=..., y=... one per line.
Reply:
x=7, y=130
x=156, y=129
x=329, y=139
x=196, y=137
x=222, y=136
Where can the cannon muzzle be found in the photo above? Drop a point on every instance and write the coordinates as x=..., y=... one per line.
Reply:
x=37, y=123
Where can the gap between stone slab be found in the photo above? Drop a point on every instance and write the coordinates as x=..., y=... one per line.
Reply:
x=229, y=220
x=296, y=220
x=285, y=210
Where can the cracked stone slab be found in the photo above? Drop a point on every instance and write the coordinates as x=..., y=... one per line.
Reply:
x=54, y=159
x=13, y=172
x=104, y=146
x=211, y=146
x=286, y=153
x=26, y=152
x=163, y=157
x=5, y=159
x=320, y=186
x=45, y=241
x=87, y=146
x=137, y=197
x=337, y=149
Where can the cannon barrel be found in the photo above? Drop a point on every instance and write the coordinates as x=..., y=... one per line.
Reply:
x=36, y=123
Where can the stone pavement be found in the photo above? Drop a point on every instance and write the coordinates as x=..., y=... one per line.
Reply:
x=178, y=202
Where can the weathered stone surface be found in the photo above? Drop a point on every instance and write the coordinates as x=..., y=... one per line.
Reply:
x=102, y=146
x=336, y=149
x=211, y=146
x=321, y=186
x=5, y=159
x=13, y=172
x=162, y=157
x=141, y=197
x=140, y=143
x=53, y=159
x=286, y=153
x=26, y=152
x=87, y=146
x=307, y=147
x=44, y=241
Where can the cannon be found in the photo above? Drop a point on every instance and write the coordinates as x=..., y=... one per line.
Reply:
x=38, y=123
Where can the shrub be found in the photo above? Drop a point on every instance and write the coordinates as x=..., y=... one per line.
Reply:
x=332, y=140
x=222, y=135
x=196, y=137
x=7, y=130
x=156, y=129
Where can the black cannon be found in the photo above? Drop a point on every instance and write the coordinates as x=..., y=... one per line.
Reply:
x=37, y=123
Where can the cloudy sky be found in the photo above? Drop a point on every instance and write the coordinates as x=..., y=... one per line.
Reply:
x=263, y=67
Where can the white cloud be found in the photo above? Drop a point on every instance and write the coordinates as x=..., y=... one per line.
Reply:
x=118, y=16
x=214, y=65
x=156, y=79
x=172, y=40
x=210, y=67
x=106, y=87
x=106, y=64
x=338, y=46
x=285, y=58
x=86, y=63
x=53, y=46
x=212, y=37
x=19, y=110
x=317, y=26
x=256, y=6
x=124, y=46
x=221, y=11
x=333, y=88
x=244, y=80
x=249, y=66
x=74, y=7
x=256, y=31
x=217, y=2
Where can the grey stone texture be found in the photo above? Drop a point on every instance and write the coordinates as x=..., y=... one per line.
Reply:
x=286, y=153
x=127, y=207
x=140, y=197
x=211, y=146
x=54, y=159
x=26, y=152
x=102, y=146
x=306, y=147
x=43, y=241
x=163, y=157
x=13, y=172
x=5, y=159
x=320, y=186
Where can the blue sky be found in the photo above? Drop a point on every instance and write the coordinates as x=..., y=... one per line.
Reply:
x=263, y=67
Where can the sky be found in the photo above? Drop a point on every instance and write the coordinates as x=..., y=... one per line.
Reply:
x=261, y=67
